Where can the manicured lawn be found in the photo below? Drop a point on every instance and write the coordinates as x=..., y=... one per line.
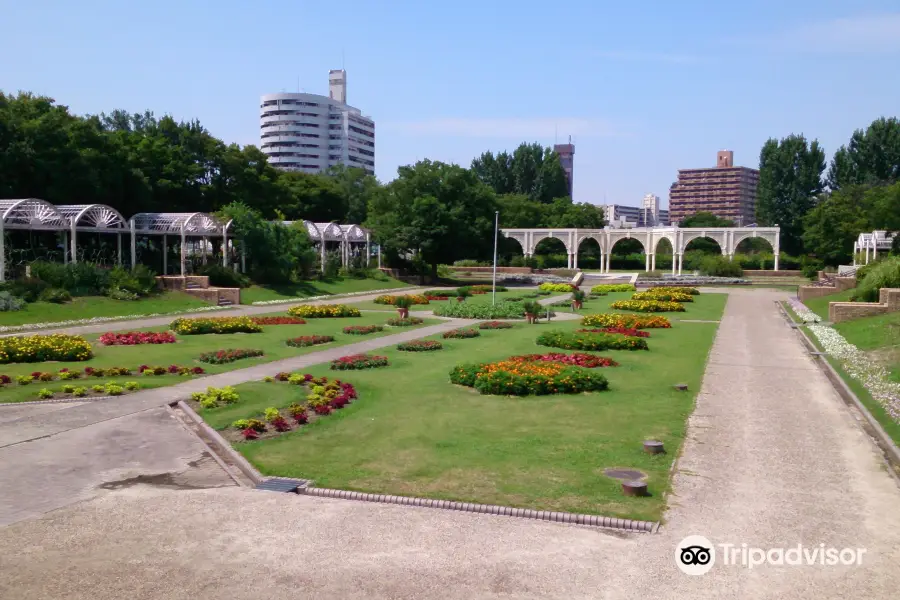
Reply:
x=304, y=289
x=413, y=433
x=88, y=307
x=189, y=347
x=820, y=305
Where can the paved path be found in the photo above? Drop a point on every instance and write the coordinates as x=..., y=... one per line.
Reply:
x=773, y=458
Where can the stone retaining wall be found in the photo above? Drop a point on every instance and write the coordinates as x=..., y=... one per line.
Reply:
x=177, y=282
x=767, y=273
x=805, y=292
x=491, y=269
x=888, y=301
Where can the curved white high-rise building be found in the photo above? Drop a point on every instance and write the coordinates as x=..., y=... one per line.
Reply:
x=309, y=132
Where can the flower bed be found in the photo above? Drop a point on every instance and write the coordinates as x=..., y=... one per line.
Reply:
x=221, y=357
x=803, y=313
x=647, y=306
x=578, y=359
x=556, y=287
x=358, y=361
x=629, y=321
x=135, y=338
x=495, y=325
x=390, y=300
x=278, y=321
x=321, y=398
x=590, y=341
x=664, y=296
x=40, y=348
x=471, y=310
x=216, y=397
x=170, y=370
x=83, y=391
x=522, y=378
x=362, y=329
x=309, y=340
x=486, y=288
x=202, y=326
x=606, y=288
x=680, y=289
x=95, y=320
x=437, y=297
x=461, y=334
x=629, y=331
x=407, y=322
x=323, y=311
x=420, y=346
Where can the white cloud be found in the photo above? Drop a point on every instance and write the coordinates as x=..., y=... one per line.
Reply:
x=659, y=57
x=515, y=128
x=870, y=34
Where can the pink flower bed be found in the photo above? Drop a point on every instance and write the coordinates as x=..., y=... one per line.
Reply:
x=135, y=338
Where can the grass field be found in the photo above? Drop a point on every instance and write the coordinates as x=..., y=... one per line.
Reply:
x=304, y=289
x=88, y=307
x=413, y=433
x=477, y=299
x=189, y=347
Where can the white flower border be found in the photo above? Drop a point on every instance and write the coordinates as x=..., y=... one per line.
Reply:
x=325, y=297
x=873, y=376
x=95, y=320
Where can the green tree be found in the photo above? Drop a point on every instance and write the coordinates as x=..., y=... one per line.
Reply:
x=531, y=170
x=872, y=156
x=706, y=219
x=832, y=226
x=520, y=211
x=437, y=212
x=790, y=179
x=356, y=187
x=564, y=213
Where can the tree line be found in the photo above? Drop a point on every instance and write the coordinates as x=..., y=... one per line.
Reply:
x=823, y=213
x=432, y=211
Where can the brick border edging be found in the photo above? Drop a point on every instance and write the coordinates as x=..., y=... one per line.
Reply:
x=489, y=509
x=882, y=439
x=219, y=444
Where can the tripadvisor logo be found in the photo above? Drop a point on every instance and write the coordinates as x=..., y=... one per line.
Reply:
x=696, y=555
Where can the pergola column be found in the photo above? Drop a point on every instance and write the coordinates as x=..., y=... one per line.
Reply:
x=2, y=252
x=65, y=247
x=379, y=256
x=225, y=247
x=165, y=251
x=653, y=261
x=203, y=251
x=674, y=260
x=680, y=263
x=183, y=251
x=368, y=252
x=854, y=254
x=874, y=248
x=646, y=262
x=243, y=257
x=119, y=248
x=74, y=243
x=133, y=246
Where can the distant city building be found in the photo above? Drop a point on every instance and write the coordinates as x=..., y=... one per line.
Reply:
x=647, y=215
x=567, y=160
x=726, y=191
x=310, y=133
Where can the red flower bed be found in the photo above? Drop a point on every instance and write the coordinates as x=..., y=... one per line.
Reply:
x=220, y=357
x=579, y=359
x=437, y=297
x=358, y=361
x=309, y=340
x=629, y=331
x=362, y=329
x=134, y=338
x=4, y=379
x=495, y=325
x=278, y=320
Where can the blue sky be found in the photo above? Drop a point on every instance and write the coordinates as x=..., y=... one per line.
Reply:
x=644, y=88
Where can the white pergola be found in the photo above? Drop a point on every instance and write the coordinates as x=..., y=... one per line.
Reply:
x=345, y=235
x=728, y=239
x=875, y=241
x=33, y=214
x=183, y=225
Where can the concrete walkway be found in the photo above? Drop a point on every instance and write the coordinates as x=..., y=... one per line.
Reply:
x=773, y=458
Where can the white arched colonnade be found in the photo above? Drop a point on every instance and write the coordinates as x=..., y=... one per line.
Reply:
x=728, y=239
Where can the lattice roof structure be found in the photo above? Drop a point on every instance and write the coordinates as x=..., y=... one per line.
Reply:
x=93, y=217
x=31, y=213
x=332, y=232
x=178, y=224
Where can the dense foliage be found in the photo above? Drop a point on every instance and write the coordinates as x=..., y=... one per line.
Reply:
x=883, y=274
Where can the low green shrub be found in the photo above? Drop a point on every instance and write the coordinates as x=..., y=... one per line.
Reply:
x=717, y=265
x=221, y=276
x=469, y=310
x=590, y=341
x=606, y=288
x=9, y=303
x=555, y=287
x=55, y=295
x=215, y=397
x=885, y=274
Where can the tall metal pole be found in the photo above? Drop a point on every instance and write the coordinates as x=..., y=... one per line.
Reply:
x=494, y=285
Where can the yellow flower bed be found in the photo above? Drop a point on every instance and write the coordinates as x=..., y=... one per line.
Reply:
x=628, y=321
x=668, y=296
x=647, y=306
x=323, y=311
x=206, y=325
x=390, y=300
x=40, y=348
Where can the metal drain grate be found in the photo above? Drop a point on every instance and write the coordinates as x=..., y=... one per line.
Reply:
x=279, y=484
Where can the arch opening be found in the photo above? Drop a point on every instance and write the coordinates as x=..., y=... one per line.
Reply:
x=627, y=254
x=551, y=253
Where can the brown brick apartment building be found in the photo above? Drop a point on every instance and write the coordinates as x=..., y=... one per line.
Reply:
x=724, y=190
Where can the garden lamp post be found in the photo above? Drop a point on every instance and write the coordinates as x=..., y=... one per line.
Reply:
x=494, y=283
